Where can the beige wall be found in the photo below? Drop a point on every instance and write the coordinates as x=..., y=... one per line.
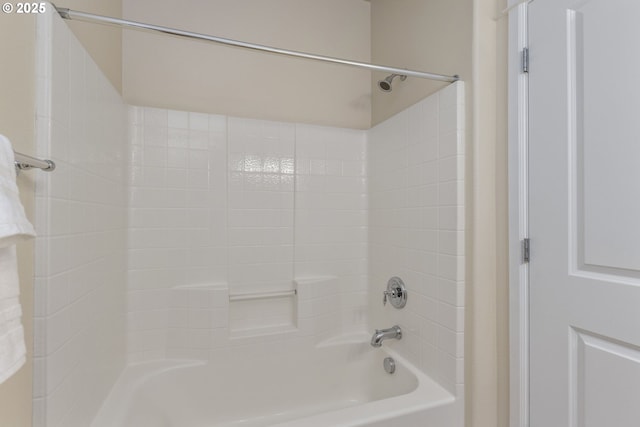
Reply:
x=482, y=341
x=425, y=35
x=17, y=112
x=104, y=43
x=174, y=73
x=487, y=319
x=502, y=217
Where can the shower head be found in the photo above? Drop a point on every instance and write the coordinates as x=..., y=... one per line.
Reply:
x=385, y=85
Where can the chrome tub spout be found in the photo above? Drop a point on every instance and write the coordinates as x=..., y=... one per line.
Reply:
x=384, y=334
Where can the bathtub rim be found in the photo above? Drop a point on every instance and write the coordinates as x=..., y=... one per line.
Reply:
x=426, y=395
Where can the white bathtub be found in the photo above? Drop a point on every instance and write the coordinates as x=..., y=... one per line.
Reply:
x=335, y=385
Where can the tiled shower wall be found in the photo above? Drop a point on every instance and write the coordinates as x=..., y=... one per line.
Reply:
x=331, y=221
x=223, y=206
x=416, y=230
x=81, y=224
x=177, y=222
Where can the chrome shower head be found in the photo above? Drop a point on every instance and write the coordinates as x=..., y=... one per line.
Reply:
x=385, y=85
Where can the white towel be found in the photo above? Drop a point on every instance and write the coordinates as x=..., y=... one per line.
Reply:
x=14, y=226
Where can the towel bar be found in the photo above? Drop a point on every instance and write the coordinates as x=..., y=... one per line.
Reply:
x=262, y=295
x=24, y=162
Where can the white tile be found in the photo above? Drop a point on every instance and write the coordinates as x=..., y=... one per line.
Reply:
x=217, y=124
x=451, y=342
x=198, y=122
x=39, y=412
x=198, y=139
x=452, y=96
x=451, y=267
x=451, y=218
x=155, y=156
x=178, y=119
x=451, y=242
x=451, y=317
x=155, y=117
x=177, y=137
x=429, y=358
x=448, y=367
x=155, y=136
x=448, y=168
x=448, y=144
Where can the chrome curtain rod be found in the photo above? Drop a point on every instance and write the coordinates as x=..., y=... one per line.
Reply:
x=27, y=162
x=89, y=17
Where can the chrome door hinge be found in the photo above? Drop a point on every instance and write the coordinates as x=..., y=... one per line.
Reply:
x=526, y=249
x=525, y=60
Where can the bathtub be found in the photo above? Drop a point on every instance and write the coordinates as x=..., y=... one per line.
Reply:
x=340, y=384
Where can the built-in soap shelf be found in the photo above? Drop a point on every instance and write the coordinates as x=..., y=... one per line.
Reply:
x=306, y=306
x=257, y=312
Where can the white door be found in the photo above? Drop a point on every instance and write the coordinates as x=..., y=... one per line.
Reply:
x=584, y=153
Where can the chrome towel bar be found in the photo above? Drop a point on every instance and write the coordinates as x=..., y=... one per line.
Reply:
x=262, y=295
x=24, y=162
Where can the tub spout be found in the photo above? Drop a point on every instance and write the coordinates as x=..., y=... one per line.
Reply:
x=383, y=334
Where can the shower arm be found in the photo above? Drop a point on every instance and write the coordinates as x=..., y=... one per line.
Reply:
x=89, y=17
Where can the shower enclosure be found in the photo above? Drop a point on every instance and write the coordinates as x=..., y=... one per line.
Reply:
x=185, y=258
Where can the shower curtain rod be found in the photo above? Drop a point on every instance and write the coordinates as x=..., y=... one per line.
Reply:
x=89, y=17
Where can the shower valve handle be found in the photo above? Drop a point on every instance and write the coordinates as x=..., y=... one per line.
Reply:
x=391, y=294
x=396, y=293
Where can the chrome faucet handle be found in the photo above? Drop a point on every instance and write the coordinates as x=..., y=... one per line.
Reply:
x=388, y=293
x=396, y=293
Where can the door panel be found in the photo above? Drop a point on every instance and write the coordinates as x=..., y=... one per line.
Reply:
x=584, y=153
x=603, y=106
x=607, y=381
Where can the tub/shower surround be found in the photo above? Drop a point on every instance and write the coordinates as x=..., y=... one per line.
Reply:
x=288, y=378
x=416, y=173
x=416, y=231
x=198, y=234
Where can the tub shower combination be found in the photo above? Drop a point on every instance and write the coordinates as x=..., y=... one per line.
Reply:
x=347, y=380
x=136, y=324
x=334, y=384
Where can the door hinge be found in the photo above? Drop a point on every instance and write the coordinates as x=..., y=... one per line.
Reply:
x=526, y=250
x=525, y=60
